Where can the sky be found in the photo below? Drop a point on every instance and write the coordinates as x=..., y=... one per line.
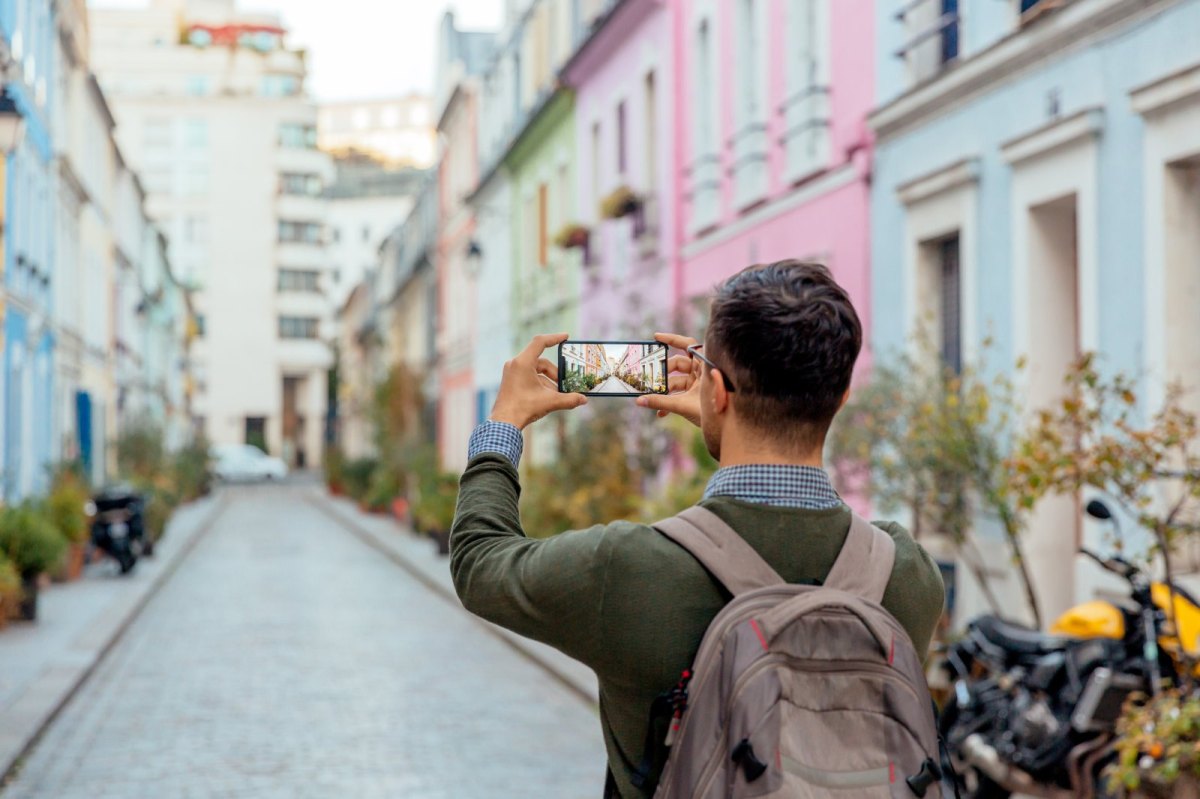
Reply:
x=361, y=49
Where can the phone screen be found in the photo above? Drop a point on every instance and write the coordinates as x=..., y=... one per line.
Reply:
x=612, y=368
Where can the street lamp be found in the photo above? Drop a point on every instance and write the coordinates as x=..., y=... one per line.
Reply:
x=12, y=125
x=474, y=262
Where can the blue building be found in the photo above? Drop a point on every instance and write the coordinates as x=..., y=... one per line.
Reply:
x=1037, y=180
x=27, y=28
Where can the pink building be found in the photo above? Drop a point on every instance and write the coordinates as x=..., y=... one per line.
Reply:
x=770, y=107
x=625, y=81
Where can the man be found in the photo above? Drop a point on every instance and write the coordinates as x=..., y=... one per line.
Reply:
x=773, y=371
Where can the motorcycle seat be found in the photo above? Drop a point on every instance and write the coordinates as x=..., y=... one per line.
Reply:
x=1017, y=638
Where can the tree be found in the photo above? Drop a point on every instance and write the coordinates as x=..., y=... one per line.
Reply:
x=935, y=442
x=1097, y=437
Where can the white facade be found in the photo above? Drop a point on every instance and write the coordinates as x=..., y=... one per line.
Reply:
x=225, y=141
x=357, y=229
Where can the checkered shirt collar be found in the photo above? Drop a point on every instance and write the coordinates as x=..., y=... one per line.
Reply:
x=775, y=484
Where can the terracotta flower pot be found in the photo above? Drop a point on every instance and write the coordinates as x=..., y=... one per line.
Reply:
x=76, y=554
x=400, y=509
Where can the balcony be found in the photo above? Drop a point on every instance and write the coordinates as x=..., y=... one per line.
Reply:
x=932, y=28
x=705, y=174
x=806, y=132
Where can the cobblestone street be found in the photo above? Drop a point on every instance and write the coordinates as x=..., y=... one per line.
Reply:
x=286, y=658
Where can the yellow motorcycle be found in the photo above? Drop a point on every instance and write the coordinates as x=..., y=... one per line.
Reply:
x=1178, y=633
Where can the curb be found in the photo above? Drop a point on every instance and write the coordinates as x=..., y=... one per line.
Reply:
x=46, y=697
x=582, y=690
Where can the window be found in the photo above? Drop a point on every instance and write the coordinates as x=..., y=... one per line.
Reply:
x=951, y=310
x=195, y=134
x=297, y=327
x=806, y=108
x=299, y=232
x=298, y=135
x=932, y=34
x=337, y=235
x=199, y=85
x=543, y=203
x=950, y=31
x=622, y=145
x=705, y=140
x=750, y=141
x=366, y=234
x=299, y=280
x=256, y=432
x=279, y=86
x=201, y=325
x=301, y=184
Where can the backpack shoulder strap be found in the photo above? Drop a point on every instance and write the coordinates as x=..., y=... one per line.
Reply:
x=719, y=549
x=864, y=566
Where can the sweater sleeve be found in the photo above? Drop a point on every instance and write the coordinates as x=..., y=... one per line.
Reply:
x=549, y=589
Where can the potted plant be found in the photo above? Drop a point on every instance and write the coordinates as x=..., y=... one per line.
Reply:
x=382, y=489
x=1158, y=747
x=621, y=202
x=10, y=591
x=335, y=464
x=64, y=507
x=434, y=511
x=34, y=546
x=572, y=235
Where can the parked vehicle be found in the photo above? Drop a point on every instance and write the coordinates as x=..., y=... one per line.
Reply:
x=118, y=526
x=1035, y=713
x=246, y=463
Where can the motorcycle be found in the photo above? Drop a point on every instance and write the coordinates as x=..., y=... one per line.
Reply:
x=117, y=525
x=1035, y=713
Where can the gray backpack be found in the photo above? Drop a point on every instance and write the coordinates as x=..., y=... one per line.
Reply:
x=799, y=690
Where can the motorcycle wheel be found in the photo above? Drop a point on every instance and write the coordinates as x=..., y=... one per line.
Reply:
x=126, y=559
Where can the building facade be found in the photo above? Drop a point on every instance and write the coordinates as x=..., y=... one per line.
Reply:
x=462, y=56
x=214, y=118
x=29, y=257
x=775, y=158
x=623, y=75
x=1036, y=184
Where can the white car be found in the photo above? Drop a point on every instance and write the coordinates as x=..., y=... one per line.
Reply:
x=244, y=463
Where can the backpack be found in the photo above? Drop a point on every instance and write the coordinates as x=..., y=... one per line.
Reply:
x=799, y=690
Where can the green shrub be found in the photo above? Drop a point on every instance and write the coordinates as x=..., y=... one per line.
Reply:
x=386, y=484
x=63, y=506
x=30, y=540
x=358, y=474
x=10, y=590
x=190, y=472
x=141, y=455
x=156, y=513
x=433, y=511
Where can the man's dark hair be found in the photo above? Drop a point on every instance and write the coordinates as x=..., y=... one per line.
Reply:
x=788, y=337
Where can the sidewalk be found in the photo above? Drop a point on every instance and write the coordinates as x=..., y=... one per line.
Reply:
x=43, y=663
x=419, y=557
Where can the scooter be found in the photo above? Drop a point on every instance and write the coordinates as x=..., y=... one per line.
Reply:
x=118, y=529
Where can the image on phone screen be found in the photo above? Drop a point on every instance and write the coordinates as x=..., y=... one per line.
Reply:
x=612, y=368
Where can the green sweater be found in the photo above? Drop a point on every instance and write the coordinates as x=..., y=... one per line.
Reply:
x=632, y=605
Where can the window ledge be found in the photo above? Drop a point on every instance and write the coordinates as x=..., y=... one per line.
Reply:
x=1159, y=95
x=1085, y=124
x=931, y=184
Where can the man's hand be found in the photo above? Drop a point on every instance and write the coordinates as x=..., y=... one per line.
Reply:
x=529, y=387
x=683, y=382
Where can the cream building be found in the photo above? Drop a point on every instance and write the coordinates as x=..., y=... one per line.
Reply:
x=211, y=112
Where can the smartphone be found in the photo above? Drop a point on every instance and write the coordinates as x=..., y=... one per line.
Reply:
x=612, y=368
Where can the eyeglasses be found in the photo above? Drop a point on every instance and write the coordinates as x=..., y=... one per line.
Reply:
x=694, y=351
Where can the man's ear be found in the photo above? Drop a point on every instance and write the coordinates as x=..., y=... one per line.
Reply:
x=720, y=394
x=845, y=399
